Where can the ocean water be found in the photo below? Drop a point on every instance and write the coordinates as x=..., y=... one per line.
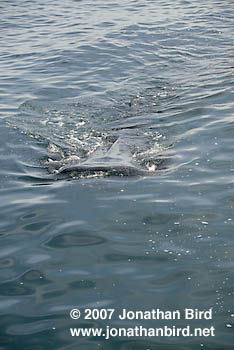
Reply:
x=75, y=76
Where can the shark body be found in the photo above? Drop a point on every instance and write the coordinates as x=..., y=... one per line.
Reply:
x=117, y=160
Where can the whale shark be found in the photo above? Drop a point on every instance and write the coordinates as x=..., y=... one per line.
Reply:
x=90, y=138
x=115, y=160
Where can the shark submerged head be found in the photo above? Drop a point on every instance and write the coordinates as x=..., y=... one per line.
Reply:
x=115, y=161
x=103, y=170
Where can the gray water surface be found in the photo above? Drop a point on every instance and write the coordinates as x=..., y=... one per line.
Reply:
x=74, y=76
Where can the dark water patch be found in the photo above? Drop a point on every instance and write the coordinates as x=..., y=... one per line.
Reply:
x=6, y=263
x=24, y=285
x=82, y=284
x=74, y=239
x=54, y=294
x=16, y=334
x=132, y=258
x=160, y=219
x=37, y=226
x=172, y=277
x=11, y=289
